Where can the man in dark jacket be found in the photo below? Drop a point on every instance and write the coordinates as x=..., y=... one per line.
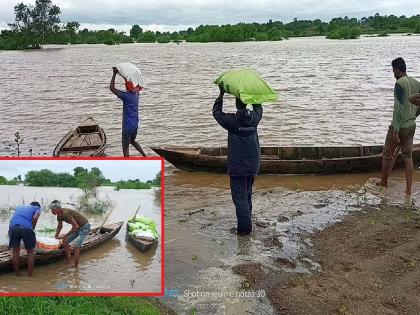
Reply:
x=243, y=155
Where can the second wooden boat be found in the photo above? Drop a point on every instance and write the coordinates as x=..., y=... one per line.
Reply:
x=287, y=160
x=88, y=139
x=141, y=244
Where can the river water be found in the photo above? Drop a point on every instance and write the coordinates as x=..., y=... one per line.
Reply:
x=332, y=92
x=114, y=266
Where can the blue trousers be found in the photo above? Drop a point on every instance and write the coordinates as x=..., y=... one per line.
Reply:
x=241, y=190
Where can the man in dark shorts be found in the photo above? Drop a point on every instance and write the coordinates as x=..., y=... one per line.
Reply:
x=243, y=155
x=22, y=227
x=80, y=228
x=401, y=132
x=130, y=122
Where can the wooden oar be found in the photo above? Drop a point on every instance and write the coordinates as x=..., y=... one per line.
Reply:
x=136, y=212
x=106, y=218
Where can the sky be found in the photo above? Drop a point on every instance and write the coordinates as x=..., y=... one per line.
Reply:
x=114, y=170
x=171, y=15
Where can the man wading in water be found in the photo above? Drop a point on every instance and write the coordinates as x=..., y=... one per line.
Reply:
x=22, y=226
x=243, y=155
x=130, y=122
x=401, y=132
x=80, y=228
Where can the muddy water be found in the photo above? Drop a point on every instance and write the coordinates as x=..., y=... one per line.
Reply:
x=201, y=250
x=331, y=92
x=115, y=266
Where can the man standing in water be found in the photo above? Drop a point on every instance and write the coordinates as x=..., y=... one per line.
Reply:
x=401, y=132
x=130, y=122
x=22, y=226
x=243, y=155
x=80, y=228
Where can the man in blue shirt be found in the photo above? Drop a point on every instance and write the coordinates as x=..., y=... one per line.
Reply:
x=22, y=227
x=243, y=155
x=130, y=121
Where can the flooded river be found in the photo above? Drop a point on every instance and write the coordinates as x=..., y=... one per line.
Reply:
x=114, y=266
x=331, y=92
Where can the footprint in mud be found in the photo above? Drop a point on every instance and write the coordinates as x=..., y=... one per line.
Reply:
x=286, y=263
x=272, y=241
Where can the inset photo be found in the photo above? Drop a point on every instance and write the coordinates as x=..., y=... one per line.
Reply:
x=81, y=227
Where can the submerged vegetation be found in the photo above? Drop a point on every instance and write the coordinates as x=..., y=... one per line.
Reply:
x=39, y=24
x=88, y=202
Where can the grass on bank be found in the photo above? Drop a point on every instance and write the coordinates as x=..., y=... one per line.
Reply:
x=81, y=306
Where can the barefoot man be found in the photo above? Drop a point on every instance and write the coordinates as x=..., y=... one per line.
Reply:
x=22, y=226
x=401, y=132
x=130, y=123
x=80, y=228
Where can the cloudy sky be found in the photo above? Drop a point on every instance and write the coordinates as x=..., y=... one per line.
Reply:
x=131, y=169
x=180, y=14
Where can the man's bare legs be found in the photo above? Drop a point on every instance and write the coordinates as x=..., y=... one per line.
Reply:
x=67, y=251
x=408, y=175
x=30, y=253
x=138, y=147
x=15, y=260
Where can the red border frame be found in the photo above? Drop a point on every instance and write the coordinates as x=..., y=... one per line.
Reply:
x=162, y=231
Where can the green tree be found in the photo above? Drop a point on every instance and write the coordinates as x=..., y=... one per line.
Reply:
x=41, y=178
x=3, y=180
x=34, y=23
x=147, y=37
x=417, y=29
x=274, y=33
x=157, y=180
x=136, y=31
x=71, y=29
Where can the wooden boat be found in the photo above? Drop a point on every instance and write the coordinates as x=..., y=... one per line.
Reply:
x=88, y=139
x=140, y=244
x=94, y=239
x=287, y=160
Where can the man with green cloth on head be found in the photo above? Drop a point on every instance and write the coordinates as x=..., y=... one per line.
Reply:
x=80, y=228
x=401, y=132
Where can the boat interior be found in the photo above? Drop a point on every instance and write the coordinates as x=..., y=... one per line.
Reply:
x=84, y=141
x=304, y=153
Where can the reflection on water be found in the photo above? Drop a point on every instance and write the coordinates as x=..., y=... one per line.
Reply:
x=114, y=266
x=331, y=92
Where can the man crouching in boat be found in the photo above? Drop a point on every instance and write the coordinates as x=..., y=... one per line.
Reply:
x=80, y=228
x=22, y=226
x=243, y=155
x=130, y=123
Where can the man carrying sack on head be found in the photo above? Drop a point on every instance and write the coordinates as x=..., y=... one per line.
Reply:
x=80, y=228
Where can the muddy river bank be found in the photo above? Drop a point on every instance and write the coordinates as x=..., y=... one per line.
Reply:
x=208, y=266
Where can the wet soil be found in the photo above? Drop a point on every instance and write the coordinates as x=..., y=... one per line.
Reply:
x=370, y=265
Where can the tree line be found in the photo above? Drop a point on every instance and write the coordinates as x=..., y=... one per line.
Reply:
x=39, y=24
x=81, y=178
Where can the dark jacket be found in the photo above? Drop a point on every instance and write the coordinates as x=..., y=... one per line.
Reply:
x=243, y=145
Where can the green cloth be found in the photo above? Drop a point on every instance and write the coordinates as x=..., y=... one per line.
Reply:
x=247, y=85
x=404, y=115
x=69, y=213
